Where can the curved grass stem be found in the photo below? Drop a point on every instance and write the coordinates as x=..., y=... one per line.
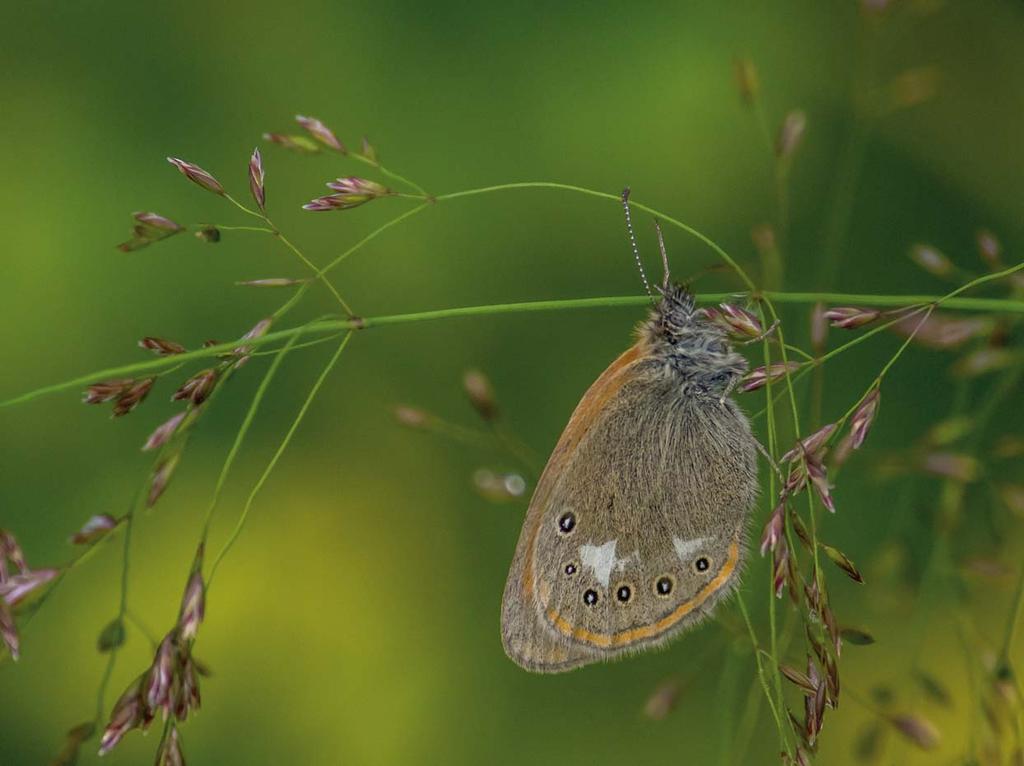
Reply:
x=336, y=325
x=243, y=517
x=236, y=446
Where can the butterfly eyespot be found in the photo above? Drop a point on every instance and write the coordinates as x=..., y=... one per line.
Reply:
x=590, y=597
x=623, y=593
x=570, y=568
x=567, y=523
x=702, y=564
x=663, y=585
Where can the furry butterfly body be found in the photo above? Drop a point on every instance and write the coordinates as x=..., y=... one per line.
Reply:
x=637, y=526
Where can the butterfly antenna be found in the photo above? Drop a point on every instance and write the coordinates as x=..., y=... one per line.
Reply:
x=632, y=241
x=664, y=255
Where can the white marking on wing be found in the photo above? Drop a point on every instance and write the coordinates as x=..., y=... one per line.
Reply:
x=686, y=547
x=601, y=559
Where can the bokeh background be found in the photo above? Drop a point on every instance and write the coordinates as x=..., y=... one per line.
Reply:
x=357, y=620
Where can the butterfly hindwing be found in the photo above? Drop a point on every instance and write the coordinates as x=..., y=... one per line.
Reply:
x=638, y=526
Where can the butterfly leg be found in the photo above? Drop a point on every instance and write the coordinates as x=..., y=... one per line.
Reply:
x=771, y=462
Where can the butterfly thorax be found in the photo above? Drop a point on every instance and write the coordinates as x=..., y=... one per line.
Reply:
x=690, y=348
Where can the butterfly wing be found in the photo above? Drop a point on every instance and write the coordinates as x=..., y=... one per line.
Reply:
x=637, y=526
x=528, y=640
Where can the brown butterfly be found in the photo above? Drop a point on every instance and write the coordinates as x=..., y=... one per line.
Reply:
x=637, y=526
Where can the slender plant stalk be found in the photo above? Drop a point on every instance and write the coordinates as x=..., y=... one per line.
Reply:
x=108, y=671
x=243, y=517
x=773, y=451
x=779, y=725
x=250, y=415
x=336, y=325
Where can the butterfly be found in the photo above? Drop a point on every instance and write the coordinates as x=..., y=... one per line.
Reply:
x=637, y=527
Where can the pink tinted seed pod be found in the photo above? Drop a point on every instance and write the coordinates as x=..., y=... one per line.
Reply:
x=161, y=477
x=156, y=691
x=161, y=347
x=850, y=317
x=193, y=606
x=256, y=178
x=258, y=330
x=299, y=144
x=780, y=563
x=187, y=698
x=350, y=192
x=133, y=397
x=157, y=221
x=197, y=175
x=106, y=390
x=95, y=528
x=863, y=417
x=197, y=388
x=774, y=529
x=663, y=700
x=989, y=249
x=272, y=282
x=759, y=377
x=369, y=151
x=791, y=134
x=984, y=360
x=151, y=227
x=735, y=320
x=129, y=713
x=170, y=753
x=9, y=631
x=942, y=331
x=796, y=480
x=411, y=417
x=10, y=551
x=320, y=132
x=952, y=465
x=917, y=729
x=931, y=260
x=163, y=432
x=819, y=480
x=17, y=587
x=812, y=445
x=480, y=393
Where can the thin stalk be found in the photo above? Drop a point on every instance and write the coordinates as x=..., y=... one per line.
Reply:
x=391, y=174
x=277, y=456
x=773, y=440
x=617, y=199
x=779, y=725
x=108, y=672
x=1010, y=632
x=333, y=326
x=250, y=416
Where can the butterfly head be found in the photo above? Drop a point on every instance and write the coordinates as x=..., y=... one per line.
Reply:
x=688, y=346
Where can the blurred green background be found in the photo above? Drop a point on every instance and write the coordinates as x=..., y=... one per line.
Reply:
x=357, y=620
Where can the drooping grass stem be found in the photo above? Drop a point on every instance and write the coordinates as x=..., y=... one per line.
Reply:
x=336, y=325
